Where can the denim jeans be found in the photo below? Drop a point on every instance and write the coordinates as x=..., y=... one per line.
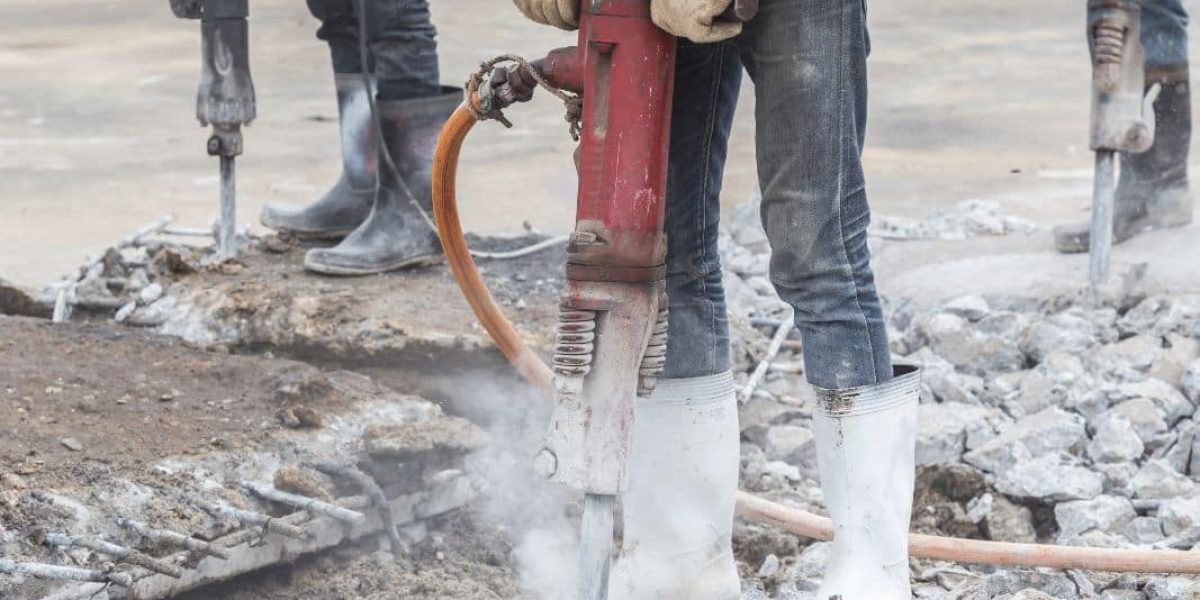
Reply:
x=1164, y=34
x=401, y=43
x=807, y=59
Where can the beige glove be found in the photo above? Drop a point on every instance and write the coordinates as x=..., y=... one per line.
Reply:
x=563, y=14
x=695, y=20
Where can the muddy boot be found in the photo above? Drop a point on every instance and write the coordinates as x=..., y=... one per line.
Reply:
x=396, y=234
x=683, y=475
x=1153, y=190
x=866, y=450
x=348, y=202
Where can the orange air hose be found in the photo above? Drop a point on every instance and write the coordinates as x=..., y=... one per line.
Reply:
x=458, y=255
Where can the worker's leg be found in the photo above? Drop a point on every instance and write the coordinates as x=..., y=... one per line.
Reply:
x=808, y=62
x=412, y=108
x=1153, y=188
x=339, y=28
x=403, y=45
x=344, y=206
x=1158, y=177
x=683, y=471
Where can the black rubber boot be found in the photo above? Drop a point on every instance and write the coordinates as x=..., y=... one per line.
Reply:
x=1153, y=190
x=396, y=234
x=347, y=204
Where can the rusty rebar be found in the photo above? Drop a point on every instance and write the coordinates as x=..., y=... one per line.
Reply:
x=375, y=494
x=60, y=573
x=247, y=517
x=172, y=538
x=312, y=505
x=117, y=551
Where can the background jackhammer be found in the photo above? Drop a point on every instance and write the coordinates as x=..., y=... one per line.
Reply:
x=225, y=99
x=1122, y=119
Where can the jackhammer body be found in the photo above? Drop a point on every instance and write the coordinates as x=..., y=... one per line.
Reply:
x=225, y=99
x=1122, y=115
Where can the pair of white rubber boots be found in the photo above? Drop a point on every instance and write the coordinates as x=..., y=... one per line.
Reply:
x=683, y=483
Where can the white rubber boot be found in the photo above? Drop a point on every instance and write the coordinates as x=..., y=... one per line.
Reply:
x=683, y=476
x=866, y=450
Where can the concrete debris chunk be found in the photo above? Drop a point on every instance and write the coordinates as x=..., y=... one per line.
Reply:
x=1010, y=522
x=1191, y=382
x=971, y=347
x=1179, y=515
x=1144, y=531
x=793, y=445
x=451, y=435
x=1062, y=332
x=1050, y=477
x=1147, y=421
x=1049, y=431
x=1115, y=441
x=1109, y=514
x=942, y=430
x=1052, y=583
x=1172, y=588
x=1157, y=480
x=969, y=307
x=1170, y=402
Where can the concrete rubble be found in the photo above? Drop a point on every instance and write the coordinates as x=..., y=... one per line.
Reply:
x=1043, y=419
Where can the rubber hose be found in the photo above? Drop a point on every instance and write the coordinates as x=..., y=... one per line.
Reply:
x=531, y=367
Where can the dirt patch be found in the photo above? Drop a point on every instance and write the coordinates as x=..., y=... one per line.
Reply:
x=85, y=399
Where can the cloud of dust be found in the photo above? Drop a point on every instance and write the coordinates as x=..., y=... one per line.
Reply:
x=533, y=510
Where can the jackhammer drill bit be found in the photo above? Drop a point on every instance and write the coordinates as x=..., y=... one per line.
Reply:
x=1122, y=118
x=225, y=99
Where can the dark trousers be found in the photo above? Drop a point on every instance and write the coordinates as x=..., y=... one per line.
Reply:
x=401, y=43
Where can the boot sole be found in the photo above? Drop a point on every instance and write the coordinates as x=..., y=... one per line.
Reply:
x=323, y=269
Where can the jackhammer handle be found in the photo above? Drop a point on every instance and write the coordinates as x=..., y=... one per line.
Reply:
x=740, y=10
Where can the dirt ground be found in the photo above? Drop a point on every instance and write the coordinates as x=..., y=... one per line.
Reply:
x=969, y=99
x=96, y=394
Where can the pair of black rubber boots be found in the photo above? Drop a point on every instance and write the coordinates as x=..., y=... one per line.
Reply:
x=382, y=215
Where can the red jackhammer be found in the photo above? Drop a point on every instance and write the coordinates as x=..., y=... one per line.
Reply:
x=610, y=344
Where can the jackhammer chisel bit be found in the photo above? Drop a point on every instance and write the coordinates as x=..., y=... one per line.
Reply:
x=225, y=99
x=1122, y=117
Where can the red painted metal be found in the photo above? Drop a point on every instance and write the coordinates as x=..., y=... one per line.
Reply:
x=628, y=81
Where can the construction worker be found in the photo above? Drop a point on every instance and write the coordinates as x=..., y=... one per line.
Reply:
x=807, y=59
x=1153, y=191
x=375, y=209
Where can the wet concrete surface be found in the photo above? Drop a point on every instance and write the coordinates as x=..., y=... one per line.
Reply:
x=969, y=99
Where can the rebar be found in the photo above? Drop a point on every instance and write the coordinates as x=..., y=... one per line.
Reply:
x=781, y=333
x=172, y=538
x=117, y=551
x=378, y=499
x=247, y=517
x=310, y=504
x=60, y=573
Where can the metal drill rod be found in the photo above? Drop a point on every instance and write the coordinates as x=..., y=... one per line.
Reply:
x=226, y=229
x=1103, y=198
x=596, y=545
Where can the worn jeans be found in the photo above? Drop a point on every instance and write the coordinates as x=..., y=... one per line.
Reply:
x=807, y=59
x=401, y=43
x=1164, y=34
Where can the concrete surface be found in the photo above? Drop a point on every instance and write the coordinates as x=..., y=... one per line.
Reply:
x=969, y=99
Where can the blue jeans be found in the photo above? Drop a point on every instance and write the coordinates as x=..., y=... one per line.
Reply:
x=1164, y=33
x=807, y=59
x=401, y=43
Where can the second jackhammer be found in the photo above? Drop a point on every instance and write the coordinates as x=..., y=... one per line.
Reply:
x=225, y=99
x=1122, y=118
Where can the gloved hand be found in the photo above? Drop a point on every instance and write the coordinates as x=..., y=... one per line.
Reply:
x=563, y=14
x=695, y=20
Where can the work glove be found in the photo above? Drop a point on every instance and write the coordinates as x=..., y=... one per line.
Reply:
x=563, y=14
x=696, y=20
